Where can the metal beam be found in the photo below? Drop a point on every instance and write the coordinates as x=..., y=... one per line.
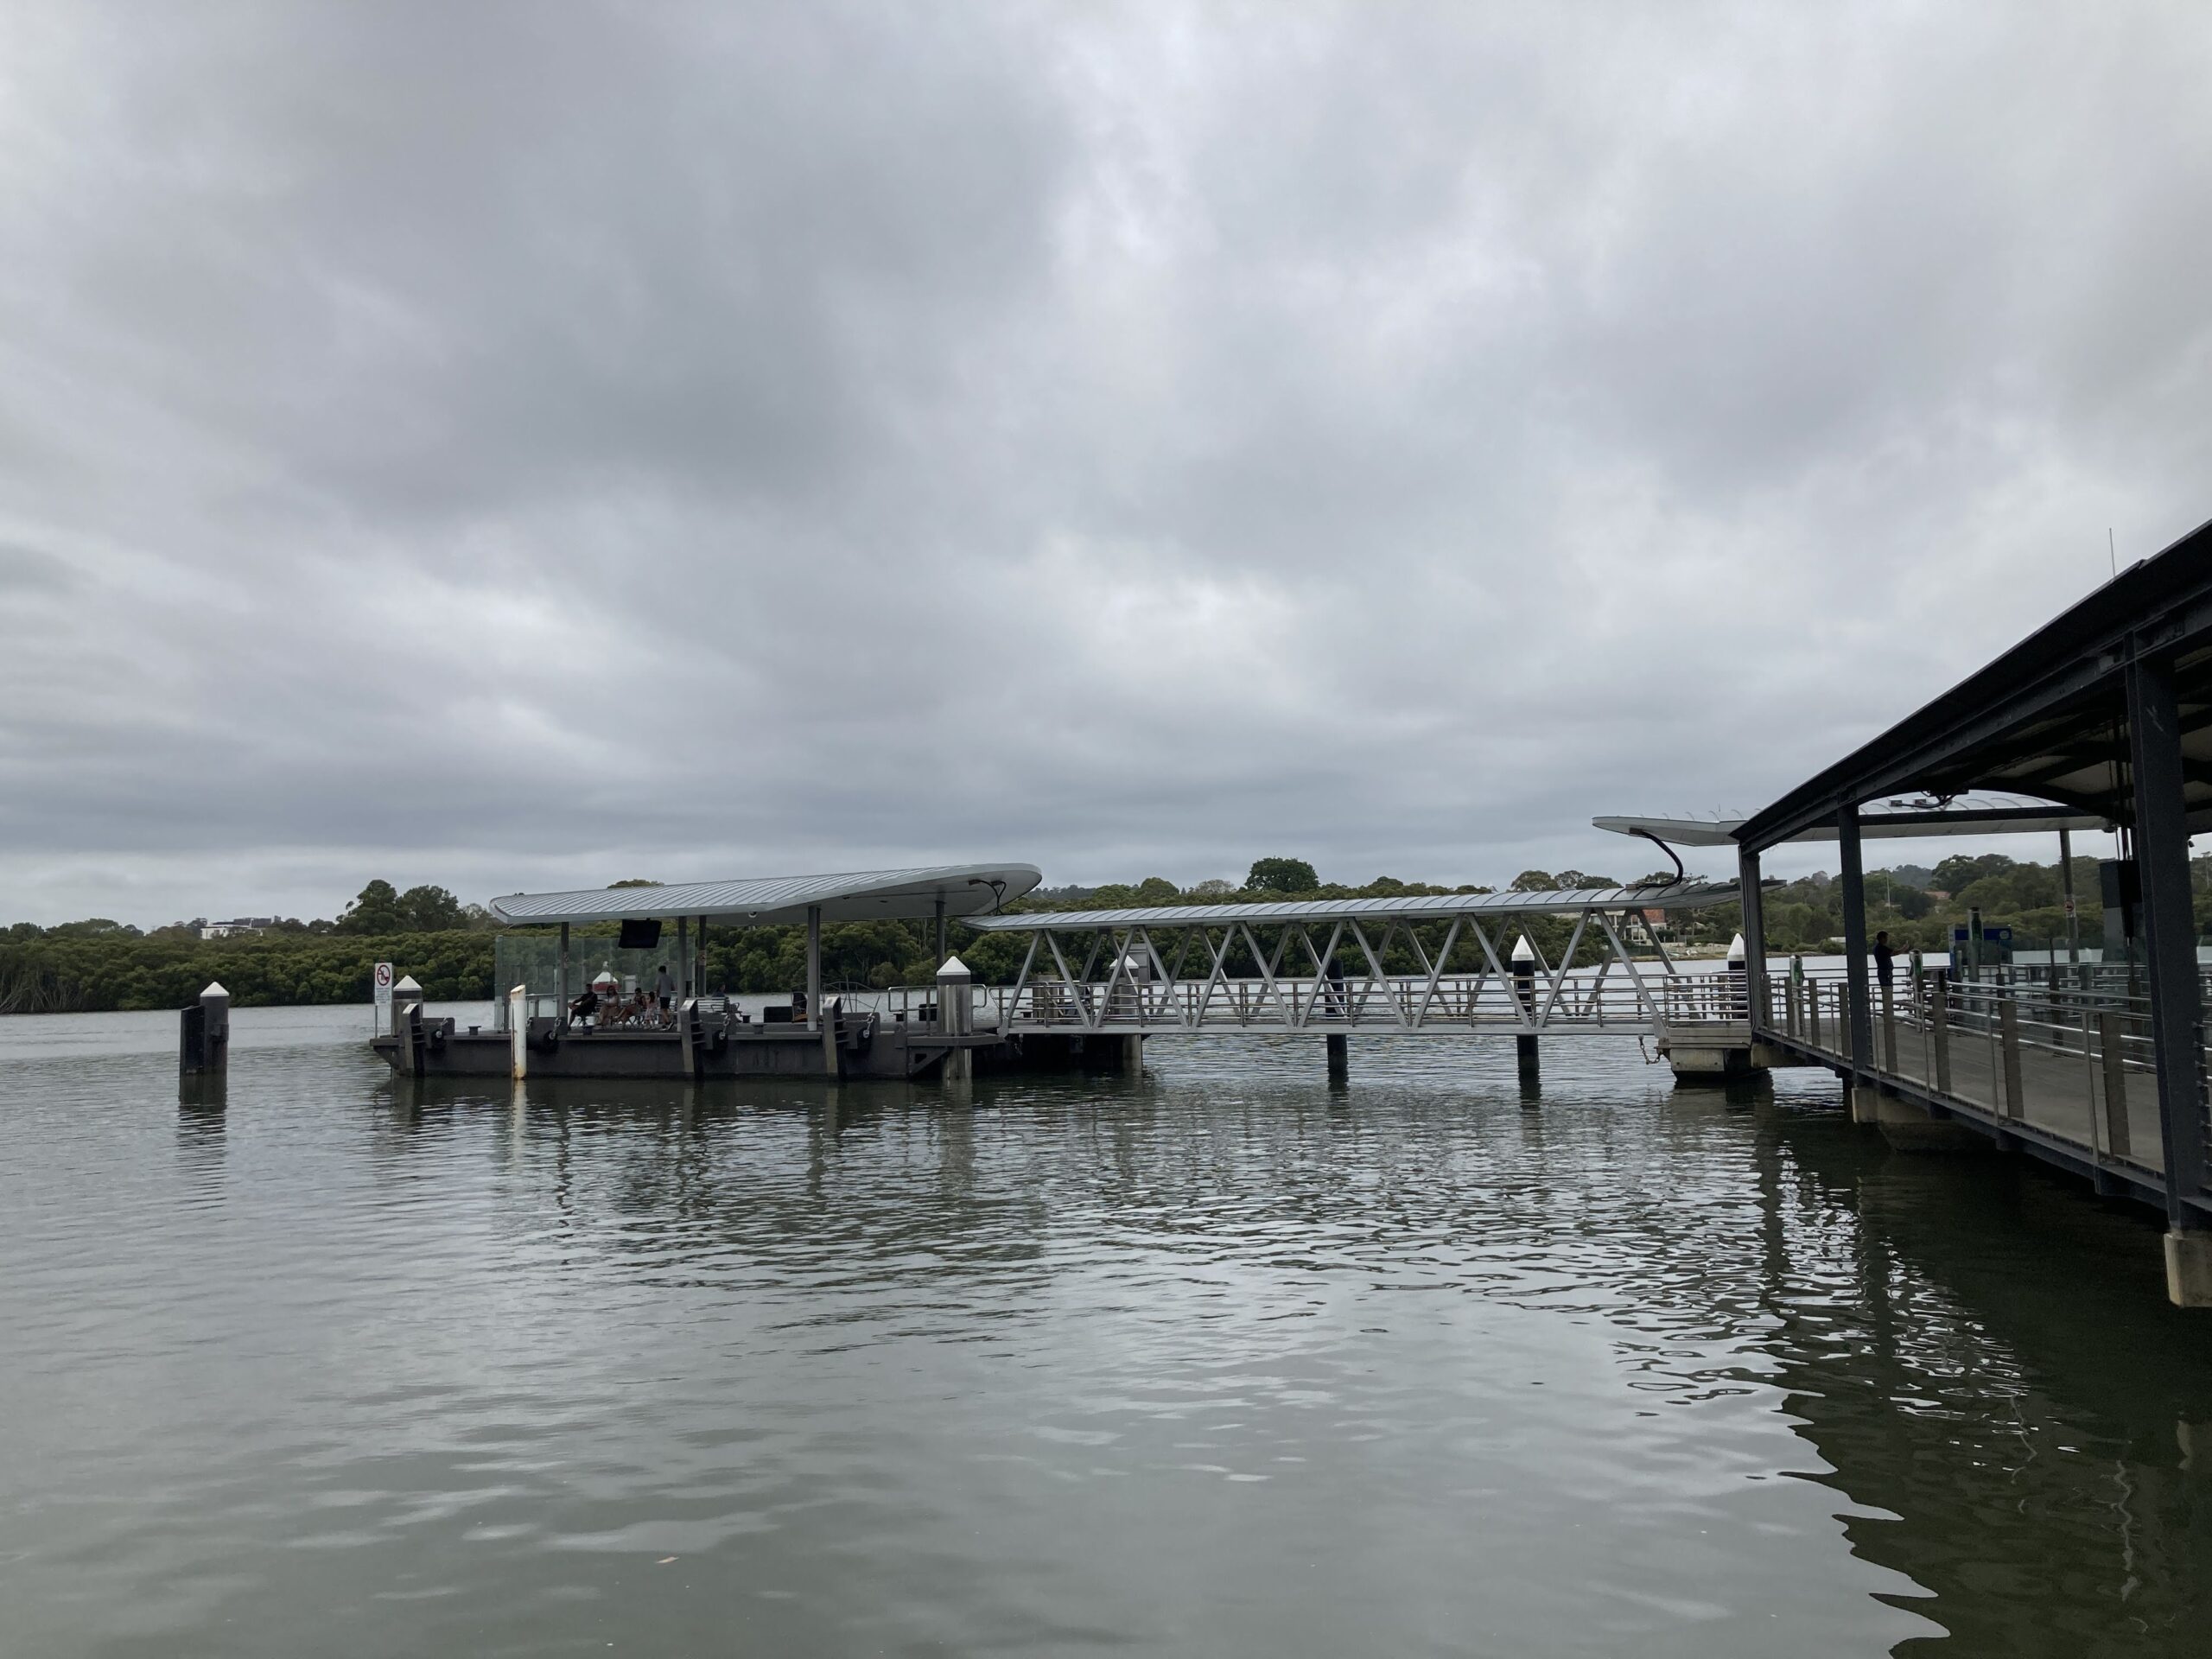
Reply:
x=1558, y=976
x=1643, y=996
x=1077, y=994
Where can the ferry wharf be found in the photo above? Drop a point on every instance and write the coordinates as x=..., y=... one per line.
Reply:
x=1093, y=985
x=2101, y=720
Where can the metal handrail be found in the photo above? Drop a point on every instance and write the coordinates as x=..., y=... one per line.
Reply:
x=2006, y=1048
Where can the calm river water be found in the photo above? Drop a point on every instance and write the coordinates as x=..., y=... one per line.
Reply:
x=1216, y=1361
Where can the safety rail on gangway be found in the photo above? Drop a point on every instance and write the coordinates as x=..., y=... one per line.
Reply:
x=2061, y=1056
x=1440, y=965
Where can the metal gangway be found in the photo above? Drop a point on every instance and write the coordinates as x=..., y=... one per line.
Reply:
x=1431, y=964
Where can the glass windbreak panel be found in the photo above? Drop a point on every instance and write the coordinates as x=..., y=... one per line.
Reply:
x=534, y=959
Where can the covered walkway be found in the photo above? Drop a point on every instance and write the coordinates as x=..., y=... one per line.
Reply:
x=2106, y=711
x=1326, y=966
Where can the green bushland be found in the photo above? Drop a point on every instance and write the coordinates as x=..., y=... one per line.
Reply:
x=93, y=965
x=1919, y=906
x=65, y=974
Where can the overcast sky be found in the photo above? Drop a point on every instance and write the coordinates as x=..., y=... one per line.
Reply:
x=526, y=447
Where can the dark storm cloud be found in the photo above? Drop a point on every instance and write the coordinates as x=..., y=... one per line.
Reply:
x=505, y=445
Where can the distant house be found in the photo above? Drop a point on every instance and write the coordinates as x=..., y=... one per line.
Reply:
x=231, y=930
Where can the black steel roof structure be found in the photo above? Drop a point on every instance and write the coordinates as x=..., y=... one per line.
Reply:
x=2104, y=711
x=1894, y=820
x=2047, y=719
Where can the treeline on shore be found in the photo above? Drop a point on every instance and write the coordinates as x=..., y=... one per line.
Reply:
x=98, y=965
x=83, y=967
x=1919, y=906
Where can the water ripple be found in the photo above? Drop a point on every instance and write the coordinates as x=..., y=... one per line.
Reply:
x=1216, y=1360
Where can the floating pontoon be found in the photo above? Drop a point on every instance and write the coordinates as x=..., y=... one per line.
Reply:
x=709, y=1035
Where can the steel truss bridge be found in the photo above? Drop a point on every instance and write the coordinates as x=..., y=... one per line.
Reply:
x=1327, y=967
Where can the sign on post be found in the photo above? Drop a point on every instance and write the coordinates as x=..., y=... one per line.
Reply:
x=384, y=996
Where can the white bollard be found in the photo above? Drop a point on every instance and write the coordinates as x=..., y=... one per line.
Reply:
x=408, y=990
x=956, y=1016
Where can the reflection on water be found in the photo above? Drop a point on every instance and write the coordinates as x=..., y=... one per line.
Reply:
x=1220, y=1359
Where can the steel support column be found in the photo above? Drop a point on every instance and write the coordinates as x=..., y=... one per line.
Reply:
x=561, y=1012
x=1861, y=1040
x=813, y=966
x=2161, y=846
x=1747, y=876
x=2066, y=885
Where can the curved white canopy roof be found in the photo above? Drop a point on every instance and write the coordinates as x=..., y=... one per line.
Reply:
x=1412, y=907
x=779, y=900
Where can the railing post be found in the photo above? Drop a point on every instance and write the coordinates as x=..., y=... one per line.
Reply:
x=2115, y=1085
x=1813, y=1012
x=2008, y=1023
x=1939, y=1024
x=2117, y=1139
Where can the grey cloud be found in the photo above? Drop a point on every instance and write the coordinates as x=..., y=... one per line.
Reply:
x=510, y=445
x=25, y=572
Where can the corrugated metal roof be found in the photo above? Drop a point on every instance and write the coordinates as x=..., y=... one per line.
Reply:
x=1679, y=896
x=778, y=900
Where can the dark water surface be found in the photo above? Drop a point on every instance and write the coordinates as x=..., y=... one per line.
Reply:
x=1215, y=1361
